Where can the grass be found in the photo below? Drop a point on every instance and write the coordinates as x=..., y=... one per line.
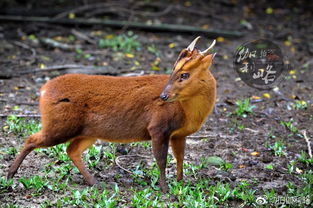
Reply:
x=197, y=191
x=244, y=108
x=21, y=127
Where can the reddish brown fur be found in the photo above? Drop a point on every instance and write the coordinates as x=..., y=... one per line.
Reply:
x=82, y=108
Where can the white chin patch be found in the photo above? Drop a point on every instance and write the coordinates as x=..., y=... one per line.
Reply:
x=42, y=92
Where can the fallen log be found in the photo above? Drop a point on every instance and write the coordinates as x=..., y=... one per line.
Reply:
x=133, y=25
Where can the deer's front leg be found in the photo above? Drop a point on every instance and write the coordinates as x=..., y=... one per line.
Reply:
x=178, y=146
x=160, y=144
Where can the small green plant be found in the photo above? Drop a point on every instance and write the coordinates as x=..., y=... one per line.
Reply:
x=146, y=198
x=34, y=182
x=305, y=159
x=269, y=166
x=124, y=43
x=93, y=156
x=290, y=126
x=278, y=148
x=5, y=184
x=81, y=54
x=244, y=107
x=291, y=166
x=20, y=126
x=300, y=105
x=226, y=166
x=154, y=50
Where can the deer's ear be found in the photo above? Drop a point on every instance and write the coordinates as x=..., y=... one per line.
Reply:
x=208, y=60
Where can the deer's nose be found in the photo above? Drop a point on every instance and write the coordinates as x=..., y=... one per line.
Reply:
x=164, y=96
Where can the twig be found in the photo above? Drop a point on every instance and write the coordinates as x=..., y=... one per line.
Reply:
x=134, y=25
x=212, y=135
x=251, y=130
x=21, y=115
x=83, y=36
x=55, y=44
x=23, y=45
x=117, y=162
x=308, y=142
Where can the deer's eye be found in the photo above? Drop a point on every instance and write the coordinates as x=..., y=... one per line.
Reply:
x=184, y=76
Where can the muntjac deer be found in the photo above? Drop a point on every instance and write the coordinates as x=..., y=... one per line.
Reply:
x=80, y=109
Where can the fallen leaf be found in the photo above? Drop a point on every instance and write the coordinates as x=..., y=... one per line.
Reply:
x=205, y=26
x=109, y=37
x=299, y=170
x=42, y=66
x=241, y=166
x=255, y=153
x=267, y=95
x=171, y=45
x=255, y=97
x=269, y=10
x=292, y=72
x=187, y=3
x=244, y=149
x=155, y=68
x=129, y=55
x=137, y=63
x=220, y=39
x=287, y=43
x=71, y=15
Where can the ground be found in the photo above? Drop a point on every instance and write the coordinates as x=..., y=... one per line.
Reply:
x=262, y=148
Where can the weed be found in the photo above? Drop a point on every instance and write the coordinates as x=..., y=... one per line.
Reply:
x=278, y=148
x=300, y=105
x=146, y=198
x=305, y=159
x=290, y=126
x=244, y=107
x=5, y=184
x=154, y=50
x=34, y=182
x=81, y=54
x=124, y=43
x=269, y=166
x=226, y=166
x=93, y=156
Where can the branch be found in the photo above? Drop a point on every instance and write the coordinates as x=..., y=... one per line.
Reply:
x=308, y=142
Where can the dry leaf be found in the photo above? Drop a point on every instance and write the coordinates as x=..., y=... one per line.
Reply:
x=129, y=55
x=171, y=45
x=267, y=95
x=299, y=170
x=220, y=39
x=255, y=153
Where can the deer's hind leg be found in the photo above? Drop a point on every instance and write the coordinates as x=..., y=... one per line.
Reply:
x=75, y=150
